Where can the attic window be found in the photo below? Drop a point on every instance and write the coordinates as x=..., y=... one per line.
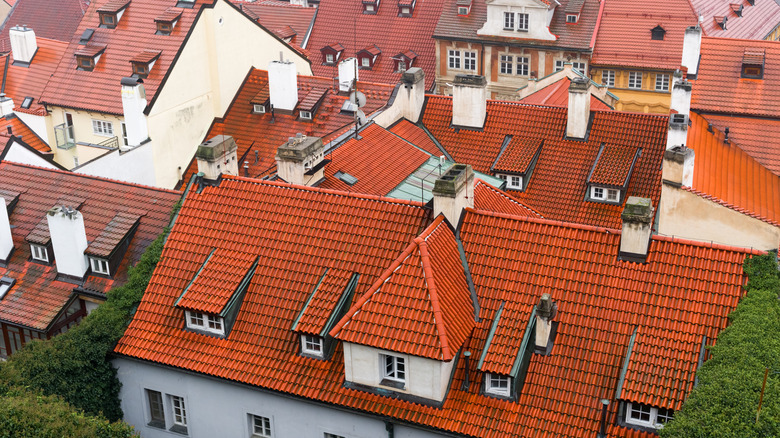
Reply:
x=99, y=266
x=143, y=62
x=331, y=54
x=5, y=285
x=346, y=178
x=205, y=322
x=605, y=194
x=638, y=414
x=39, y=253
x=27, y=102
x=753, y=64
x=463, y=10
x=571, y=18
x=405, y=8
x=370, y=6
x=258, y=108
x=88, y=56
x=737, y=9
x=657, y=33
x=367, y=56
x=108, y=20
x=167, y=21
x=497, y=384
x=512, y=181
x=721, y=21
x=304, y=115
x=312, y=345
x=111, y=12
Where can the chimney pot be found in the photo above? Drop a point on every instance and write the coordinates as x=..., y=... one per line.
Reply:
x=636, y=231
x=296, y=159
x=133, y=106
x=681, y=96
x=678, y=131
x=692, y=49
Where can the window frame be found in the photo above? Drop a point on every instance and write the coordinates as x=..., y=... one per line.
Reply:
x=85, y=63
x=469, y=57
x=610, y=78
x=522, y=66
x=514, y=182
x=305, y=115
x=204, y=322
x=266, y=430
x=635, y=80
x=330, y=59
x=150, y=405
x=606, y=194
x=493, y=389
x=140, y=69
x=580, y=66
x=44, y=253
x=664, y=82
x=108, y=20
x=463, y=10
x=559, y=65
x=523, y=21
x=97, y=265
x=390, y=370
x=103, y=128
x=365, y=62
x=652, y=412
x=453, y=59
x=258, y=108
x=178, y=413
x=509, y=20
x=571, y=18
x=307, y=345
x=507, y=66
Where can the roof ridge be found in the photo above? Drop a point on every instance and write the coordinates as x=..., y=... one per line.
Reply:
x=433, y=294
x=545, y=221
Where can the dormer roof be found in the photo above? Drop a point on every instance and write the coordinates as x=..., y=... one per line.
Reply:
x=113, y=234
x=518, y=154
x=217, y=279
x=613, y=165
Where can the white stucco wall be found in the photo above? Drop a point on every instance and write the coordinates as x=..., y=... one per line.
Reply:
x=37, y=124
x=538, y=19
x=218, y=408
x=135, y=166
x=20, y=154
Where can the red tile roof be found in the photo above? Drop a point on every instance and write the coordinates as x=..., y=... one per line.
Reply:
x=413, y=133
x=114, y=232
x=36, y=297
x=343, y=22
x=319, y=308
x=21, y=131
x=30, y=81
x=719, y=86
x=489, y=198
x=216, y=281
x=557, y=94
x=750, y=187
x=756, y=23
x=557, y=186
x=55, y=21
x=614, y=165
x=280, y=17
x=421, y=305
x=624, y=37
x=760, y=138
x=518, y=155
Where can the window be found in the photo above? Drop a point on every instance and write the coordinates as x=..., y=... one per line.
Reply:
x=661, y=82
x=608, y=78
x=370, y=8
x=258, y=109
x=305, y=115
x=559, y=65
x=179, y=414
x=27, y=102
x=406, y=12
x=515, y=182
x=523, y=64
x=470, y=61
x=331, y=435
x=39, y=253
x=196, y=319
x=5, y=286
x=99, y=266
x=497, y=384
x=164, y=28
x=365, y=62
x=140, y=69
x=394, y=368
x=646, y=415
x=401, y=67
x=579, y=66
x=605, y=194
x=85, y=63
x=205, y=322
x=571, y=18
x=108, y=20
x=509, y=20
x=329, y=59
x=635, y=80
x=453, y=59
x=102, y=127
x=156, y=410
x=311, y=345
x=261, y=426
x=124, y=134
x=506, y=64
x=522, y=22
x=462, y=10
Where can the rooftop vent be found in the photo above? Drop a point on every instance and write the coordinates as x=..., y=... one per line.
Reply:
x=469, y=101
x=346, y=178
x=301, y=160
x=657, y=33
x=721, y=21
x=86, y=36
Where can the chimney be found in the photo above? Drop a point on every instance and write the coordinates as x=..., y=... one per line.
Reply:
x=283, y=85
x=69, y=241
x=412, y=94
x=301, y=160
x=546, y=310
x=6, y=105
x=453, y=192
x=133, y=105
x=469, y=101
x=303, y=3
x=681, y=94
x=691, y=50
x=347, y=75
x=637, y=220
x=579, y=108
x=678, y=131
x=217, y=156
x=6, y=239
x=23, y=45
x=678, y=166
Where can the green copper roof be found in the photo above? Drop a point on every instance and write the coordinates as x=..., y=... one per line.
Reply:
x=419, y=185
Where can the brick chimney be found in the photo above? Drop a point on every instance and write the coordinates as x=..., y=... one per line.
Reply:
x=217, y=156
x=691, y=50
x=133, y=105
x=453, y=192
x=678, y=166
x=678, y=131
x=283, y=85
x=681, y=95
x=347, y=75
x=301, y=160
x=69, y=241
x=6, y=239
x=469, y=101
x=635, y=237
x=578, y=114
x=24, y=45
x=546, y=310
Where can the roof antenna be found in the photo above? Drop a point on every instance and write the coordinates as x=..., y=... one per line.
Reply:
x=726, y=131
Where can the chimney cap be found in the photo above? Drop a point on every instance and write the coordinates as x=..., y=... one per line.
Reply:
x=472, y=80
x=579, y=84
x=216, y=147
x=638, y=210
x=452, y=180
x=299, y=148
x=413, y=75
x=678, y=154
x=546, y=308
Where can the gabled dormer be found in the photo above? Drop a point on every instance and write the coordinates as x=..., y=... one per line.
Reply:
x=331, y=54
x=657, y=33
x=106, y=252
x=753, y=63
x=404, y=61
x=737, y=8
x=406, y=7
x=611, y=172
x=367, y=57
x=167, y=21
x=143, y=62
x=370, y=6
x=307, y=107
x=516, y=161
x=573, y=11
x=720, y=21
x=112, y=12
x=464, y=7
x=260, y=101
x=526, y=19
x=88, y=56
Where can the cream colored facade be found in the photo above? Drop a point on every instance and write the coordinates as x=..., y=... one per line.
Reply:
x=651, y=97
x=206, y=76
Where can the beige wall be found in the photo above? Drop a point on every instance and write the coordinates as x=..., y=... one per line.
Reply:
x=689, y=216
x=83, y=133
x=644, y=100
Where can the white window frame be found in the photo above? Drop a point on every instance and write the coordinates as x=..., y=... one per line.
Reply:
x=661, y=82
x=99, y=266
x=522, y=66
x=509, y=20
x=514, y=182
x=405, y=10
x=401, y=66
x=39, y=253
x=559, y=65
x=453, y=59
x=258, y=109
x=370, y=8
x=103, y=128
x=123, y=125
x=635, y=80
x=304, y=115
x=330, y=58
x=205, y=322
x=581, y=66
x=507, y=64
x=462, y=10
x=498, y=384
x=469, y=57
x=260, y=427
x=312, y=345
x=390, y=369
x=608, y=78
x=651, y=411
x=179, y=410
x=522, y=22
x=605, y=194
x=365, y=62
x=570, y=18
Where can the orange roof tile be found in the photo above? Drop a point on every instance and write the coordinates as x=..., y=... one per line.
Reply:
x=216, y=281
x=20, y=131
x=115, y=231
x=759, y=137
x=489, y=198
x=30, y=81
x=517, y=155
x=416, y=135
x=321, y=305
x=281, y=17
x=614, y=164
x=145, y=56
x=756, y=23
x=557, y=94
x=57, y=21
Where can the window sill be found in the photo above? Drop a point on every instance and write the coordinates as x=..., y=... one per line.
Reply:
x=392, y=384
x=156, y=424
x=179, y=429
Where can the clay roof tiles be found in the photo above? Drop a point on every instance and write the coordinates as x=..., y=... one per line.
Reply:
x=21, y=131
x=216, y=281
x=518, y=154
x=557, y=94
x=117, y=230
x=145, y=56
x=614, y=164
x=757, y=22
x=489, y=198
x=22, y=82
x=759, y=137
x=282, y=18
x=55, y=21
x=416, y=135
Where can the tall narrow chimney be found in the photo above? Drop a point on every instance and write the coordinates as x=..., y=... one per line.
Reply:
x=283, y=85
x=6, y=105
x=469, y=101
x=412, y=93
x=133, y=105
x=300, y=160
x=678, y=131
x=6, y=239
x=217, y=156
x=546, y=310
x=681, y=95
x=678, y=166
x=691, y=50
x=69, y=241
x=579, y=108
x=637, y=220
x=24, y=45
x=453, y=192
x=347, y=74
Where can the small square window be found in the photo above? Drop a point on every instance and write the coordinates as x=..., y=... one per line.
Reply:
x=85, y=63
x=312, y=345
x=608, y=78
x=401, y=67
x=108, y=20
x=523, y=65
x=453, y=59
x=612, y=195
x=329, y=59
x=205, y=322
x=365, y=61
x=99, y=266
x=258, y=109
x=579, y=66
x=156, y=410
x=558, y=65
x=305, y=115
x=369, y=8
x=597, y=193
x=140, y=69
x=39, y=253
x=497, y=384
x=261, y=427
x=196, y=319
x=102, y=127
x=470, y=61
x=515, y=182
x=571, y=18
x=640, y=412
x=27, y=102
x=462, y=10
x=507, y=64
x=164, y=28
x=405, y=11
x=393, y=368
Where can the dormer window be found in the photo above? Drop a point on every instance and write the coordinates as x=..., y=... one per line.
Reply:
x=167, y=21
x=571, y=18
x=721, y=21
x=205, y=322
x=312, y=345
x=512, y=181
x=370, y=6
x=367, y=57
x=39, y=253
x=464, y=7
x=331, y=54
x=258, y=109
x=404, y=61
x=605, y=194
x=643, y=415
x=657, y=33
x=304, y=115
x=497, y=384
x=111, y=12
x=88, y=56
x=99, y=266
x=753, y=63
x=393, y=370
x=405, y=8
x=516, y=21
x=463, y=10
x=737, y=8
x=143, y=62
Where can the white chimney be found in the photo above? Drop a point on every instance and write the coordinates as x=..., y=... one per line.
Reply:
x=546, y=310
x=691, y=50
x=347, y=74
x=469, y=101
x=412, y=94
x=133, y=105
x=217, y=156
x=69, y=241
x=300, y=159
x=6, y=239
x=453, y=192
x=6, y=105
x=578, y=114
x=283, y=85
x=635, y=237
x=23, y=44
x=303, y=3
x=678, y=166
x=678, y=130
x=681, y=95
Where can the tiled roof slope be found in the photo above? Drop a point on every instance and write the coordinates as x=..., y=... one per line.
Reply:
x=279, y=16
x=20, y=130
x=21, y=82
x=136, y=30
x=719, y=86
x=613, y=166
x=51, y=20
x=421, y=305
x=216, y=281
x=413, y=133
x=557, y=94
x=759, y=137
x=343, y=22
x=557, y=186
x=575, y=36
x=315, y=316
x=756, y=23
x=260, y=135
x=730, y=175
x=624, y=37
x=489, y=198
x=36, y=297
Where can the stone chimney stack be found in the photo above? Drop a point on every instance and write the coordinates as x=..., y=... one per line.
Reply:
x=691, y=50
x=301, y=160
x=678, y=166
x=412, y=94
x=681, y=95
x=678, y=131
x=6, y=239
x=637, y=220
x=453, y=192
x=69, y=241
x=546, y=310
x=469, y=101
x=133, y=105
x=347, y=75
x=283, y=85
x=217, y=156
x=578, y=115
x=24, y=45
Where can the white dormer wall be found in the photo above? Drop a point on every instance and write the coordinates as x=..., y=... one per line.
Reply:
x=426, y=378
x=6, y=239
x=539, y=18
